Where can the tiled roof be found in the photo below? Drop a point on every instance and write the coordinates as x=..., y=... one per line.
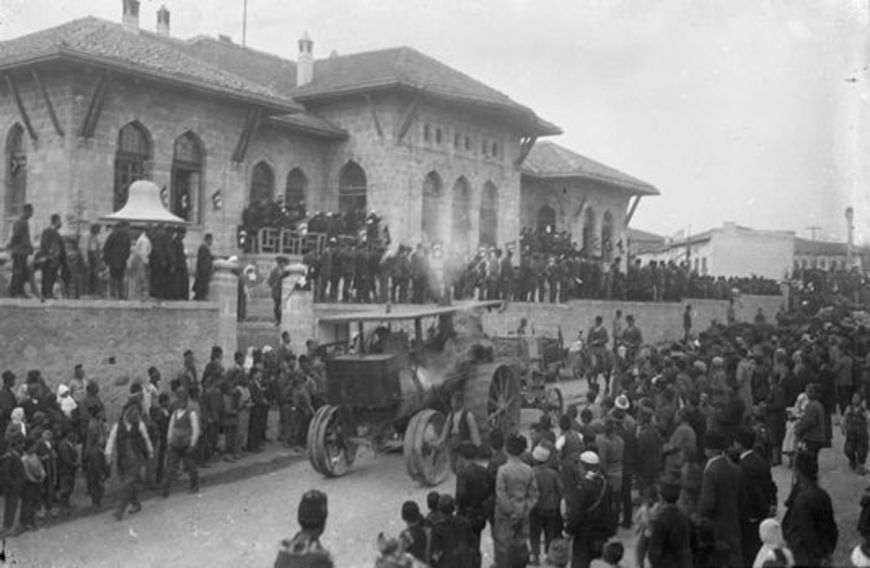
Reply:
x=263, y=68
x=550, y=160
x=308, y=122
x=638, y=235
x=111, y=45
x=822, y=248
x=360, y=72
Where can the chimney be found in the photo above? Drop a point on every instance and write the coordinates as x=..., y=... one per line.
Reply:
x=305, y=62
x=163, y=21
x=131, y=15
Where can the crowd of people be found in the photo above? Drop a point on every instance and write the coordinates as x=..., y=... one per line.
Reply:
x=368, y=270
x=678, y=444
x=221, y=413
x=136, y=263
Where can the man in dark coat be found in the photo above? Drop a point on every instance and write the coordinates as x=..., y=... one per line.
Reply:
x=162, y=263
x=474, y=490
x=760, y=491
x=181, y=280
x=7, y=399
x=670, y=542
x=811, y=430
x=722, y=481
x=809, y=526
x=589, y=517
x=20, y=247
x=204, y=268
x=452, y=538
x=116, y=251
x=52, y=254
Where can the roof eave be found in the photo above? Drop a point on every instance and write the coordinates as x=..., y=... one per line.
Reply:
x=270, y=103
x=337, y=134
x=650, y=191
x=530, y=123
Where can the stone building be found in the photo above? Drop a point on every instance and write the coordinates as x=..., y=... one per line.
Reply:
x=90, y=106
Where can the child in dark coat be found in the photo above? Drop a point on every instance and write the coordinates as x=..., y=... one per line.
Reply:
x=855, y=430
x=34, y=479
x=67, y=466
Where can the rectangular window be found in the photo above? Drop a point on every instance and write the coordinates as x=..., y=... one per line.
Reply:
x=425, y=133
x=495, y=149
x=484, y=145
x=468, y=143
x=456, y=141
x=438, y=136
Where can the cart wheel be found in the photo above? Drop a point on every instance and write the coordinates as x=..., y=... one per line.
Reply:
x=329, y=451
x=504, y=402
x=425, y=460
x=554, y=404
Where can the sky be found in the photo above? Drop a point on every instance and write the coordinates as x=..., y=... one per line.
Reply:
x=733, y=109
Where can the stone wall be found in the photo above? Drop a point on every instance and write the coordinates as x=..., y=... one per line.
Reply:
x=396, y=170
x=112, y=339
x=658, y=321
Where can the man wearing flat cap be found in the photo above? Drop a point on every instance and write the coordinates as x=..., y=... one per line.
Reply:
x=722, y=481
x=590, y=517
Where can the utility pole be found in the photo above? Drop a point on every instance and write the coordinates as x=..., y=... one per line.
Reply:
x=813, y=229
x=245, y=24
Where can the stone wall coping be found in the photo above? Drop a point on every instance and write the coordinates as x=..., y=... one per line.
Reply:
x=86, y=304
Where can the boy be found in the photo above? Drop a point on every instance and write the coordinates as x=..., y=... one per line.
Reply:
x=415, y=537
x=67, y=465
x=34, y=479
x=855, y=430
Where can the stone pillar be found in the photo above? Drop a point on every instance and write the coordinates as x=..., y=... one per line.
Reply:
x=224, y=290
x=294, y=308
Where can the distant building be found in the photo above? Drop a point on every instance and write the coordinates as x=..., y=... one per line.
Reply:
x=732, y=250
x=827, y=255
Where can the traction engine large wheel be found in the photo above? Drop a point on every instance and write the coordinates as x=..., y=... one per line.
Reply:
x=494, y=396
x=329, y=451
x=425, y=459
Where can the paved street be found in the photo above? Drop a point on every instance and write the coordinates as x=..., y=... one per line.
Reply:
x=240, y=523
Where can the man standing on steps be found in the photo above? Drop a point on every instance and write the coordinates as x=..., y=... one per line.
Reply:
x=20, y=247
x=276, y=278
x=204, y=268
x=53, y=254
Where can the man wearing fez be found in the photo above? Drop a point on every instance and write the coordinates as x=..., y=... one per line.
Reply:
x=305, y=549
x=204, y=268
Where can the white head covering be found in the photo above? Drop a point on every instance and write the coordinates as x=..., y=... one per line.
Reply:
x=589, y=458
x=65, y=401
x=541, y=454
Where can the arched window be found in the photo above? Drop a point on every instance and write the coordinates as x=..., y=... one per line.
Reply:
x=294, y=195
x=546, y=218
x=590, y=246
x=262, y=184
x=433, y=208
x=607, y=236
x=16, y=171
x=351, y=189
x=489, y=215
x=131, y=157
x=461, y=211
x=187, y=162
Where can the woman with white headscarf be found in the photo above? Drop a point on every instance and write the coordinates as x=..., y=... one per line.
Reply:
x=65, y=401
x=16, y=424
